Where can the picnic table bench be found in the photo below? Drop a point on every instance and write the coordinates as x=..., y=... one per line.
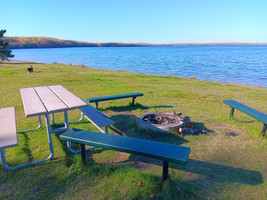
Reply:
x=97, y=118
x=8, y=128
x=158, y=150
x=8, y=133
x=249, y=111
x=114, y=97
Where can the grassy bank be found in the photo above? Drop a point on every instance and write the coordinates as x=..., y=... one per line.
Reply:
x=228, y=162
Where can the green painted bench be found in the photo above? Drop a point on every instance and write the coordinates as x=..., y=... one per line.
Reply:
x=97, y=118
x=249, y=111
x=158, y=150
x=114, y=97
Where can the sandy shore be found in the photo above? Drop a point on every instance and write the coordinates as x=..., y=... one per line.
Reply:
x=11, y=61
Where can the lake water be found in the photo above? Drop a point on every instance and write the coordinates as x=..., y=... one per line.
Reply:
x=225, y=64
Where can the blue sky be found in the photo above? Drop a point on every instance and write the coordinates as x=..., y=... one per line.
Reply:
x=149, y=21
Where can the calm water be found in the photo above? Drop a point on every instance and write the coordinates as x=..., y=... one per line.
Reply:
x=226, y=64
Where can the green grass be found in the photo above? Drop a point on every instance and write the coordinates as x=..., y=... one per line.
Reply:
x=229, y=162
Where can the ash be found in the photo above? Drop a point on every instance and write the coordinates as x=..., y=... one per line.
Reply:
x=153, y=119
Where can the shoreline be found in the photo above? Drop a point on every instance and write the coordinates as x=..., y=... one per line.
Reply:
x=11, y=61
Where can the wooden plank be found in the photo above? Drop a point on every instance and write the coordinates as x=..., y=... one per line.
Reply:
x=8, y=129
x=50, y=100
x=32, y=104
x=67, y=97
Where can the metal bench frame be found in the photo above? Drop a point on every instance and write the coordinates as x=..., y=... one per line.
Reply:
x=162, y=151
x=95, y=117
x=249, y=111
x=114, y=97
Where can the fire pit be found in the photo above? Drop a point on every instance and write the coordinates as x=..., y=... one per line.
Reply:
x=159, y=121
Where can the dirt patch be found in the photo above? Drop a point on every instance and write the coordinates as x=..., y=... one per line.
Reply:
x=141, y=165
x=231, y=134
x=227, y=129
x=121, y=157
x=144, y=163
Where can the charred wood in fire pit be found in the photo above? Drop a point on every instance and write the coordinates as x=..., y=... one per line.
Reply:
x=158, y=121
x=153, y=119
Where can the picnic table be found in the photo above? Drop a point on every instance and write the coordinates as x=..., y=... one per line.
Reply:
x=45, y=100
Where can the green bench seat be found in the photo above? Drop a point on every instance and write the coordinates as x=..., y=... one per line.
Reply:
x=97, y=118
x=114, y=97
x=249, y=111
x=158, y=150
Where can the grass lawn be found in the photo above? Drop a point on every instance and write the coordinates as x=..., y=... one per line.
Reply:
x=228, y=162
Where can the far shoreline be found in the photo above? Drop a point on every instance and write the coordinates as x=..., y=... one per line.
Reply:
x=48, y=42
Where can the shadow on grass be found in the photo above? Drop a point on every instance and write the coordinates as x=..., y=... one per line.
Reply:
x=131, y=107
x=26, y=147
x=223, y=173
x=207, y=173
x=217, y=173
x=126, y=125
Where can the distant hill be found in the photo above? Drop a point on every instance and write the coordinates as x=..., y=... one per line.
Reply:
x=47, y=42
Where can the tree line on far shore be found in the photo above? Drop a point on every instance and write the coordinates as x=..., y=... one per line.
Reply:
x=48, y=42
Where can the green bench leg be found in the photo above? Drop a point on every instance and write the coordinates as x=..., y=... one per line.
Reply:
x=83, y=155
x=133, y=101
x=232, y=112
x=165, y=170
x=264, y=129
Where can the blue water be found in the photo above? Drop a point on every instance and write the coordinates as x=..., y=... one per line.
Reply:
x=225, y=64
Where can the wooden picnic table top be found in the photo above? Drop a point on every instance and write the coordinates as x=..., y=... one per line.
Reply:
x=48, y=99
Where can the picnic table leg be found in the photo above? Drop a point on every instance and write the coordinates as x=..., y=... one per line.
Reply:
x=232, y=112
x=66, y=120
x=66, y=124
x=3, y=157
x=74, y=121
x=165, y=170
x=263, y=129
x=32, y=129
x=48, y=131
x=96, y=104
